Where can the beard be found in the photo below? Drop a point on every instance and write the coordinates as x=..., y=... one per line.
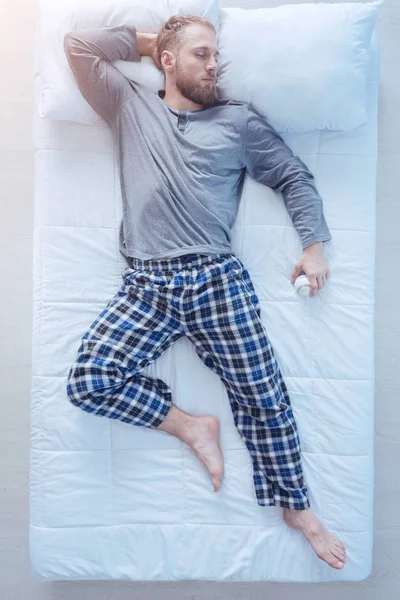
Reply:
x=198, y=92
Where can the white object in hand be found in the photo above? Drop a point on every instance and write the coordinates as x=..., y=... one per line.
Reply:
x=302, y=285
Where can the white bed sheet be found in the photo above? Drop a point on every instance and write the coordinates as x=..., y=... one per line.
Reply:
x=113, y=501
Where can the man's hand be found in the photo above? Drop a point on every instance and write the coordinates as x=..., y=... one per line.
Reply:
x=154, y=53
x=314, y=265
x=147, y=46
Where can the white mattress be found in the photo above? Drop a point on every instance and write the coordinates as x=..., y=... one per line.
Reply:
x=113, y=501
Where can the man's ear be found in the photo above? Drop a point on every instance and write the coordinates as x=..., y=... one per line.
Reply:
x=169, y=60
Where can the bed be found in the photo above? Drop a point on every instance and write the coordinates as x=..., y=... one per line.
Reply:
x=110, y=501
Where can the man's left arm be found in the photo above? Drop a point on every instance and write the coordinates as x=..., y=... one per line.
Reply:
x=269, y=160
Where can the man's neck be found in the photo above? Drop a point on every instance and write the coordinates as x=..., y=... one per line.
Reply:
x=179, y=104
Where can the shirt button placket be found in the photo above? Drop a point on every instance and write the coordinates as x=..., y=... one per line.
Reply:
x=181, y=121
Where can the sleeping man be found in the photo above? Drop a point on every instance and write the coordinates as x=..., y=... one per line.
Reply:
x=182, y=155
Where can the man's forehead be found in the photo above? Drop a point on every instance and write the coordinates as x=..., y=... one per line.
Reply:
x=195, y=40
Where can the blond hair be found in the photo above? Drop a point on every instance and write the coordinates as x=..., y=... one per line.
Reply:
x=171, y=35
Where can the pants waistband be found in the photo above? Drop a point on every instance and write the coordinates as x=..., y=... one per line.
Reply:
x=176, y=262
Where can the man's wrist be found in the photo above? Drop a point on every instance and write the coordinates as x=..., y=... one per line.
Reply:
x=313, y=247
x=146, y=43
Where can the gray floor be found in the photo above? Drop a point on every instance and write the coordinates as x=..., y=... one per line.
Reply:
x=17, y=36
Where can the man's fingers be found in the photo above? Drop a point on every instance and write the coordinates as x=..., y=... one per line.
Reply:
x=317, y=282
x=295, y=273
x=313, y=285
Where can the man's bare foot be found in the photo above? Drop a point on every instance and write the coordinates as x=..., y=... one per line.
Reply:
x=325, y=545
x=203, y=437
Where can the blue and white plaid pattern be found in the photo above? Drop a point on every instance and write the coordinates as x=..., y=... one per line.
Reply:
x=211, y=300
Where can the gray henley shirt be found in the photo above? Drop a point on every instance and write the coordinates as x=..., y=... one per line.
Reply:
x=182, y=171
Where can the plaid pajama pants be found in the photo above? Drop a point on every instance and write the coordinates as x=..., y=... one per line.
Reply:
x=211, y=300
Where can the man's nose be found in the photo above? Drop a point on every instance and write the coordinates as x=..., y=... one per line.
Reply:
x=213, y=65
x=212, y=72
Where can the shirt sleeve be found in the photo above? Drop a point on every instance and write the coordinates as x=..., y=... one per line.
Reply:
x=269, y=160
x=90, y=53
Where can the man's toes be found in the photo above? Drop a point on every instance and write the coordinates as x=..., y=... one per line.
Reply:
x=216, y=483
x=341, y=549
x=336, y=551
x=338, y=554
x=336, y=561
x=332, y=560
x=339, y=544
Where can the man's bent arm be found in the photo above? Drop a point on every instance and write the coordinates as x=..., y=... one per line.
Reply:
x=90, y=53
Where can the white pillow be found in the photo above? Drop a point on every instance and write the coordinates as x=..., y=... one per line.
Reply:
x=59, y=96
x=302, y=66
